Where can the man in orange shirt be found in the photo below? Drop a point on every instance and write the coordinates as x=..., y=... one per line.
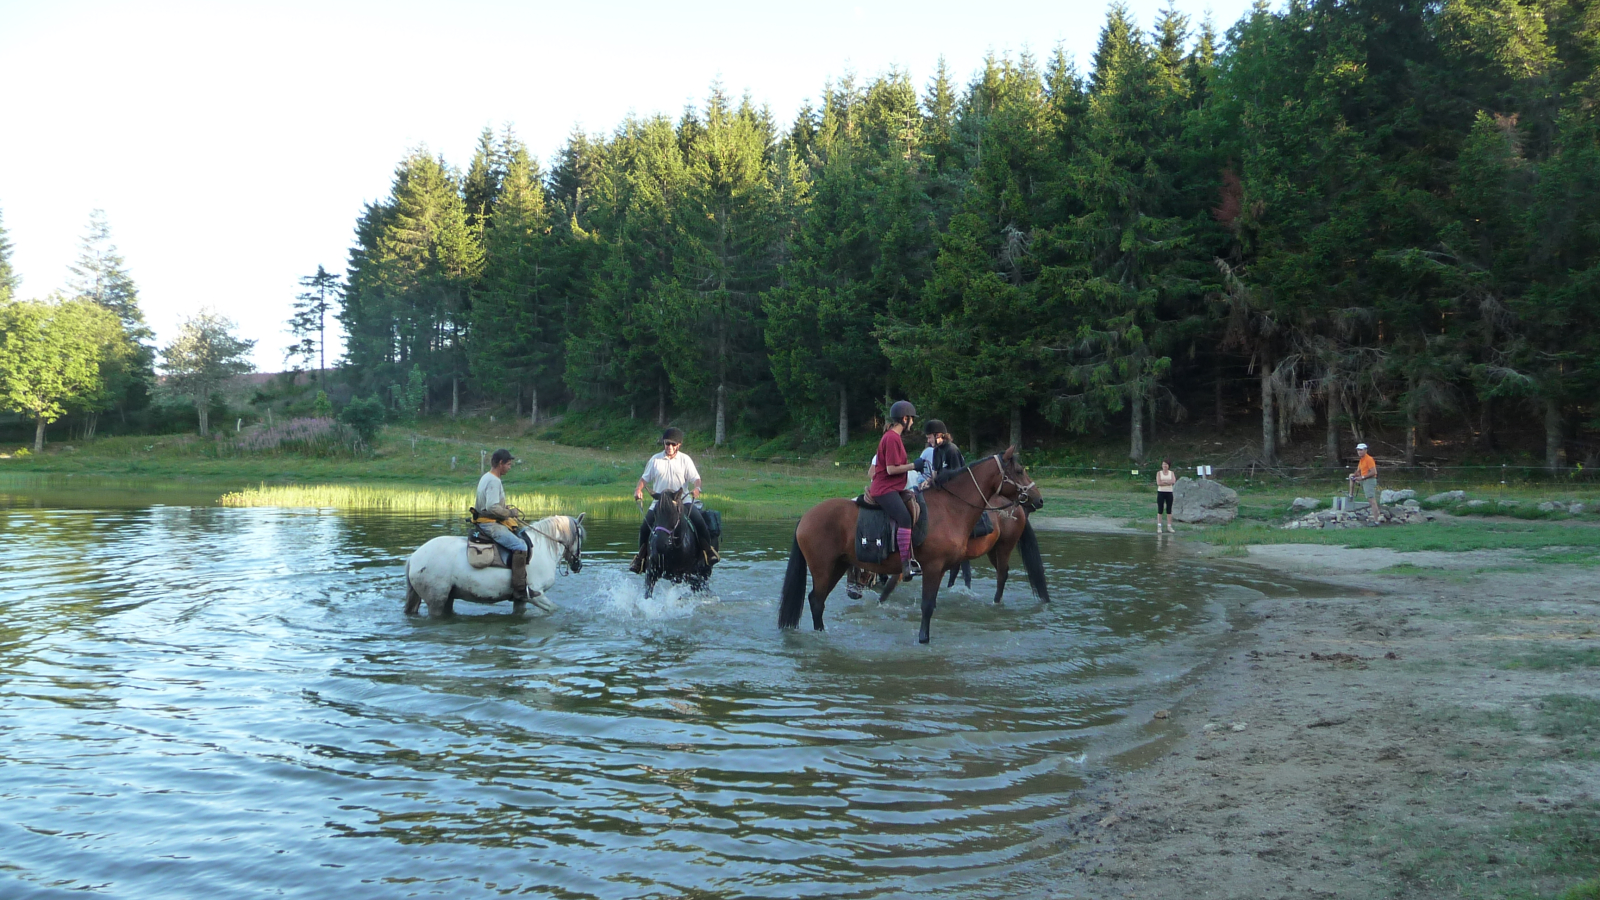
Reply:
x=1367, y=473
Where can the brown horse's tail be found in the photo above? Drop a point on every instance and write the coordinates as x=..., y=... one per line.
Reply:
x=1033, y=562
x=794, y=589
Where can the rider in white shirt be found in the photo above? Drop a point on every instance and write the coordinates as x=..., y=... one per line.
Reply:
x=668, y=471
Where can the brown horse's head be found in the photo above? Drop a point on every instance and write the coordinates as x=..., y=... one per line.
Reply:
x=1015, y=483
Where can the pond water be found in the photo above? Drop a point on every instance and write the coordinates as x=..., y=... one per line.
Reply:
x=198, y=701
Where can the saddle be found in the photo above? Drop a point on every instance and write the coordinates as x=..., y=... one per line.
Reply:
x=875, y=530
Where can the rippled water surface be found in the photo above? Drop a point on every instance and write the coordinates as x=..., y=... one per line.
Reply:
x=227, y=702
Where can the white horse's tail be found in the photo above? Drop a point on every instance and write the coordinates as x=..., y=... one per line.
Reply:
x=413, y=599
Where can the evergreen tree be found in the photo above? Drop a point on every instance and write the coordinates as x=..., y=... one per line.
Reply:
x=100, y=276
x=8, y=275
x=310, y=320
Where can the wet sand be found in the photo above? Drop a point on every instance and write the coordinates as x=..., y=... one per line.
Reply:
x=1418, y=735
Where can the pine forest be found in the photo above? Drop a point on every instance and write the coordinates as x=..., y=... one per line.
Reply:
x=1339, y=219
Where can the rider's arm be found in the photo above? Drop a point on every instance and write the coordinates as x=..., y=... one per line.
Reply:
x=638, y=492
x=697, y=487
x=896, y=470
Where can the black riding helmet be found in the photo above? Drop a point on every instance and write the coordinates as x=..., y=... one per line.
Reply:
x=902, y=409
x=672, y=436
x=934, y=426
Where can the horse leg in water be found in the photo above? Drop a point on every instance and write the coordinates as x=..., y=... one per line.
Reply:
x=413, y=599
x=888, y=588
x=822, y=582
x=930, y=599
x=1002, y=568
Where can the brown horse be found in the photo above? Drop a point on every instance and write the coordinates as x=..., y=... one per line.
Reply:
x=1012, y=531
x=824, y=542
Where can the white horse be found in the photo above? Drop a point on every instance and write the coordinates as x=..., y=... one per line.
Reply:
x=439, y=573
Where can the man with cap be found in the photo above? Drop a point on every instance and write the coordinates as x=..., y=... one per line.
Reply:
x=668, y=471
x=1367, y=473
x=499, y=522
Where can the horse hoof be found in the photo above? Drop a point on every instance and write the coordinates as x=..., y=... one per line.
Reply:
x=853, y=595
x=922, y=638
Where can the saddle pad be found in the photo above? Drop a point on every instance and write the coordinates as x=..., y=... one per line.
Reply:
x=985, y=526
x=875, y=530
x=874, y=535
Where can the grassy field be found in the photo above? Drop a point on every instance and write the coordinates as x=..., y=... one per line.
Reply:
x=433, y=466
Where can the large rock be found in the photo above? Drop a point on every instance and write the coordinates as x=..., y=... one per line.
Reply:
x=1304, y=504
x=1204, y=502
x=1448, y=497
x=1390, y=498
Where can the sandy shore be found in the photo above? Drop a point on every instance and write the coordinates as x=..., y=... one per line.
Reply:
x=1416, y=735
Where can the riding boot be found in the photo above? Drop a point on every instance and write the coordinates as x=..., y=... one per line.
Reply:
x=637, y=566
x=519, y=574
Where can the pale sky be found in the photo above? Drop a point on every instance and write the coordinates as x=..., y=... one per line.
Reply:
x=232, y=145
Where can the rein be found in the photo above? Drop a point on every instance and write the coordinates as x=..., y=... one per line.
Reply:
x=1005, y=479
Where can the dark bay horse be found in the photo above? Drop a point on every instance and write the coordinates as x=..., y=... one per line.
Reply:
x=1011, y=531
x=675, y=553
x=824, y=542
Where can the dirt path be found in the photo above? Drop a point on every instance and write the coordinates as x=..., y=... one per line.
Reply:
x=1417, y=737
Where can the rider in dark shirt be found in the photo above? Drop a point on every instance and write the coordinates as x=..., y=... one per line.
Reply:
x=947, y=456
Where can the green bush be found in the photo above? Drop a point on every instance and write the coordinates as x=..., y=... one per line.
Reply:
x=322, y=407
x=365, y=416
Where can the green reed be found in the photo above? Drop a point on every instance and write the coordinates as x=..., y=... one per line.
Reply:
x=408, y=500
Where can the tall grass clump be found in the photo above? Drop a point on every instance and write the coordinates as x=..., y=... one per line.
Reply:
x=416, y=500
x=318, y=437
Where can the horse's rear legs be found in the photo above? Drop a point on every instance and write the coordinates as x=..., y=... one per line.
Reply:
x=822, y=583
x=413, y=599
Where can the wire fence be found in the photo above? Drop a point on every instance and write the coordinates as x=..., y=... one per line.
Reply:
x=1479, y=474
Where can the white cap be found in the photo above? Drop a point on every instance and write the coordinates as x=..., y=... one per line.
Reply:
x=1361, y=446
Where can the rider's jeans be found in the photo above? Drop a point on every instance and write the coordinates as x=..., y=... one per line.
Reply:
x=504, y=536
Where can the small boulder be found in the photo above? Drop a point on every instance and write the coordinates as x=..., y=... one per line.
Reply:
x=1510, y=504
x=1576, y=509
x=1204, y=502
x=1448, y=497
x=1477, y=504
x=1411, y=504
x=1552, y=506
x=1389, y=498
x=1304, y=504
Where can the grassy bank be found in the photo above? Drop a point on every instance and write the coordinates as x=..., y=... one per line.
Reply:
x=430, y=469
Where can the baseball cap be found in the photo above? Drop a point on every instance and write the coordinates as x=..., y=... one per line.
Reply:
x=1361, y=446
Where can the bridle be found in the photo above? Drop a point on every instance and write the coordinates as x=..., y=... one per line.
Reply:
x=571, y=556
x=1022, y=489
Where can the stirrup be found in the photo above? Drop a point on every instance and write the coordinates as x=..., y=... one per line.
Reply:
x=913, y=568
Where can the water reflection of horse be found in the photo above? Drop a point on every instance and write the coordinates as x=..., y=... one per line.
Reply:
x=1012, y=531
x=438, y=572
x=675, y=553
x=824, y=542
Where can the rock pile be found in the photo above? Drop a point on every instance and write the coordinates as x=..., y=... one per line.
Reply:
x=1573, y=509
x=1361, y=517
